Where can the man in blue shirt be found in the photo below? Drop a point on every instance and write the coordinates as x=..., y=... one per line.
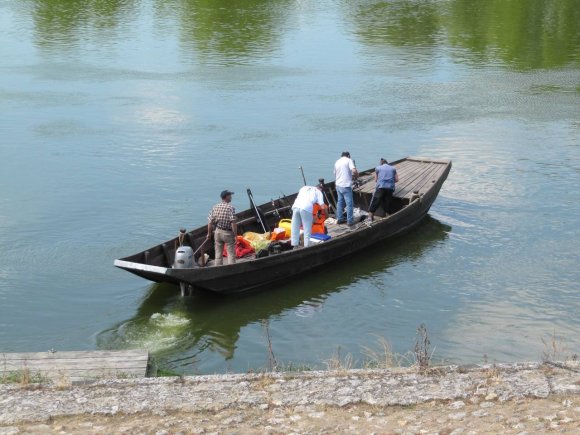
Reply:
x=385, y=178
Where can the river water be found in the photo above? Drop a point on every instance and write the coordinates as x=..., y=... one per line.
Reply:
x=122, y=120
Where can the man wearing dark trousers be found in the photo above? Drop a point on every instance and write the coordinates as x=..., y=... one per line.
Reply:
x=385, y=178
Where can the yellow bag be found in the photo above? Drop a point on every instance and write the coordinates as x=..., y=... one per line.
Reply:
x=256, y=236
x=287, y=225
x=257, y=240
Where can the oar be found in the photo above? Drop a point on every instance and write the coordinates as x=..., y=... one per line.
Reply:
x=372, y=199
x=255, y=207
x=200, y=246
x=303, y=177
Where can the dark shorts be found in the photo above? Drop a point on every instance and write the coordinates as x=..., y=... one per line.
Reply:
x=381, y=198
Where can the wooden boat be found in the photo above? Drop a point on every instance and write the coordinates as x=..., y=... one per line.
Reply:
x=420, y=180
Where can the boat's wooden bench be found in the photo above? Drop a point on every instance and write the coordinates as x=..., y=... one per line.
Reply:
x=415, y=176
x=74, y=366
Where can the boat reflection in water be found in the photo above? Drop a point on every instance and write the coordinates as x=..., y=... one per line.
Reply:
x=180, y=331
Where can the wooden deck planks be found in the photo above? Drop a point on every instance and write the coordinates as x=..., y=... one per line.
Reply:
x=84, y=365
x=412, y=170
x=92, y=354
x=68, y=364
x=410, y=173
x=420, y=180
x=368, y=186
x=409, y=167
x=432, y=173
x=414, y=174
x=408, y=182
x=427, y=181
x=406, y=189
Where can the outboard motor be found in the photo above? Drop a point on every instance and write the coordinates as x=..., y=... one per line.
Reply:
x=183, y=259
x=184, y=254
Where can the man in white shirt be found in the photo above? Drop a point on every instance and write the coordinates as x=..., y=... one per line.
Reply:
x=344, y=173
x=302, y=213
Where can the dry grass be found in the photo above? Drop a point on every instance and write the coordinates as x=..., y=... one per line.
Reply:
x=384, y=357
x=555, y=349
x=63, y=382
x=381, y=356
x=340, y=363
x=25, y=378
x=264, y=381
x=492, y=375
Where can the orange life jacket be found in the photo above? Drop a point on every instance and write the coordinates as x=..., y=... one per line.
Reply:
x=319, y=216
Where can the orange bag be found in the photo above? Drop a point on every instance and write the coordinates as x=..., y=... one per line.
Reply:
x=243, y=248
x=278, y=235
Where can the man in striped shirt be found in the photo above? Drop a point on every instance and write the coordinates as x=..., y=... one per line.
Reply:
x=222, y=219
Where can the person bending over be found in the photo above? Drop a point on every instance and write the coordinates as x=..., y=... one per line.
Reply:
x=302, y=213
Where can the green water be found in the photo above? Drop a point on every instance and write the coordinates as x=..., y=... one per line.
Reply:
x=121, y=121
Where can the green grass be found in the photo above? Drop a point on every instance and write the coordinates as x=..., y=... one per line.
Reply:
x=23, y=377
x=166, y=373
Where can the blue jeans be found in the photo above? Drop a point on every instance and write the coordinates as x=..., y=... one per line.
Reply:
x=344, y=195
x=304, y=218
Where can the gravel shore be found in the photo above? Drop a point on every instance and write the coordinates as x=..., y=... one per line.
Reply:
x=511, y=398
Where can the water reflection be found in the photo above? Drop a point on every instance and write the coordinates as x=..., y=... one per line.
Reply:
x=60, y=24
x=223, y=31
x=208, y=326
x=406, y=22
x=520, y=34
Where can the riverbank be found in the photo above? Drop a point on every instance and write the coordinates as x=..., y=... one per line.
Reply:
x=507, y=398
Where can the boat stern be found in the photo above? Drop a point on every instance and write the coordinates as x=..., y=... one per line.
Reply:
x=147, y=271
